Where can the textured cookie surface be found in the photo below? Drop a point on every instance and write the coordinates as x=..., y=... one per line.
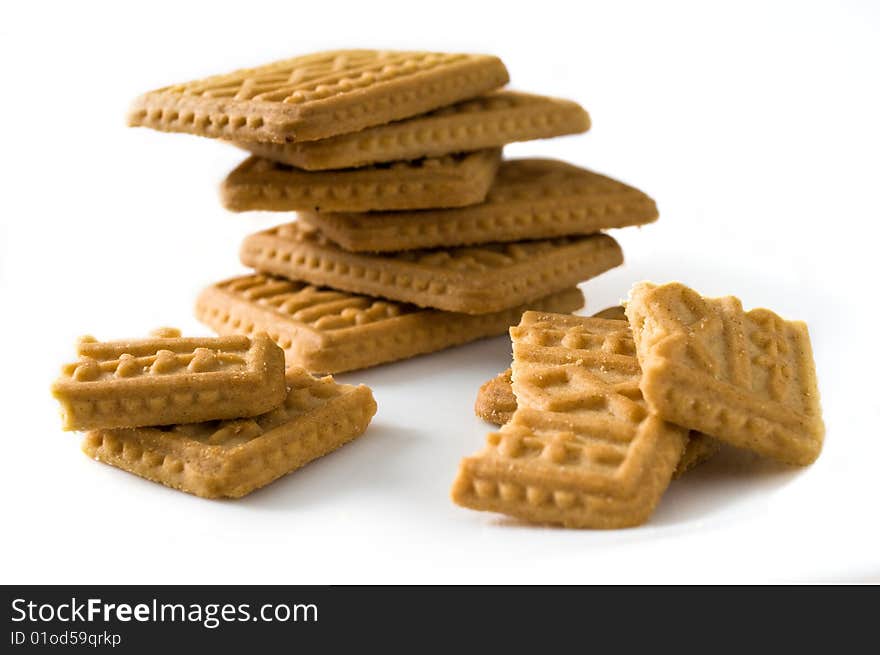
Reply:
x=496, y=404
x=530, y=199
x=479, y=280
x=582, y=448
x=169, y=379
x=489, y=121
x=495, y=400
x=233, y=458
x=319, y=95
x=450, y=181
x=747, y=378
x=329, y=331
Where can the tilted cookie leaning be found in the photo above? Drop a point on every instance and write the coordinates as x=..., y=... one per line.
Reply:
x=582, y=449
x=747, y=378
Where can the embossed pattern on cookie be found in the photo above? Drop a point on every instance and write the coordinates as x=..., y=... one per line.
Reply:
x=496, y=404
x=329, y=331
x=582, y=448
x=489, y=121
x=449, y=181
x=318, y=95
x=747, y=378
x=495, y=400
x=478, y=280
x=232, y=458
x=529, y=199
x=169, y=379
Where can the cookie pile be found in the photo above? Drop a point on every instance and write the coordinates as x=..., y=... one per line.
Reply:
x=600, y=413
x=412, y=233
x=215, y=417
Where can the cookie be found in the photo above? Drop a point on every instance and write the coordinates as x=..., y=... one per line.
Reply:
x=477, y=280
x=747, y=378
x=317, y=96
x=529, y=199
x=329, y=331
x=489, y=121
x=232, y=458
x=495, y=400
x=169, y=379
x=450, y=181
x=700, y=447
x=496, y=404
x=582, y=449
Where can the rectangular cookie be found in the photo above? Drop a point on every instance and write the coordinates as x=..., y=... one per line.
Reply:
x=329, y=331
x=490, y=121
x=318, y=95
x=169, y=379
x=582, y=449
x=450, y=181
x=477, y=280
x=747, y=378
x=233, y=458
x=495, y=400
x=529, y=199
x=496, y=404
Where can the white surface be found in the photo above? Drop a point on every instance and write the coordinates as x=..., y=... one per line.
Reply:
x=754, y=127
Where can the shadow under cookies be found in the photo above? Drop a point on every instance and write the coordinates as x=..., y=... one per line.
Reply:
x=712, y=491
x=368, y=464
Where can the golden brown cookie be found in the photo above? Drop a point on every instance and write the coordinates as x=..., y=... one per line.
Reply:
x=747, y=378
x=450, y=181
x=233, y=458
x=478, y=280
x=329, y=331
x=496, y=404
x=319, y=95
x=529, y=199
x=169, y=379
x=495, y=400
x=582, y=449
x=489, y=121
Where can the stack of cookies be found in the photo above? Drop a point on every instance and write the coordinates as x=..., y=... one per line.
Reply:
x=215, y=417
x=600, y=413
x=412, y=233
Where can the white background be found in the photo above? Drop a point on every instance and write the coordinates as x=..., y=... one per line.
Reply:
x=754, y=126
